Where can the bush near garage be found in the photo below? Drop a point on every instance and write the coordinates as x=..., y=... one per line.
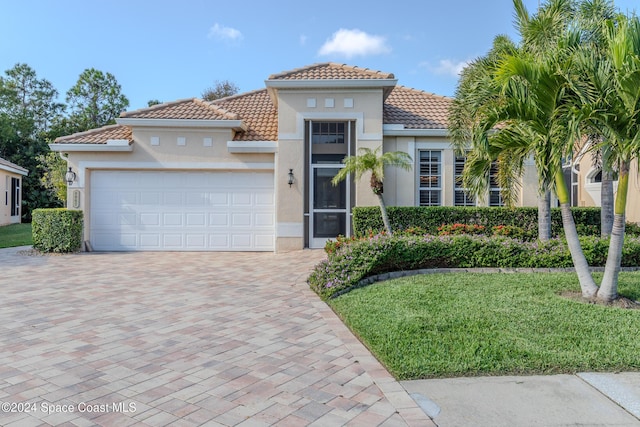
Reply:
x=57, y=230
x=357, y=259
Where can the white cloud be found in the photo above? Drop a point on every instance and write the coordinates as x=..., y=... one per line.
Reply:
x=303, y=40
x=350, y=43
x=224, y=33
x=447, y=67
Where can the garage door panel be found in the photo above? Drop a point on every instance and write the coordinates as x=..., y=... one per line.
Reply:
x=172, y=220
x=182, y=210
x=150, y=219
x=195, y=219
x=172, y=241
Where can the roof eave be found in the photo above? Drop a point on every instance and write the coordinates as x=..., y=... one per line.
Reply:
x=330, y=83
x=111, y=145
x=16, y=169
x=399, y=130
x=237, y=125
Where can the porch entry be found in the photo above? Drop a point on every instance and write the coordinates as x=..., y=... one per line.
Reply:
x=328, y=207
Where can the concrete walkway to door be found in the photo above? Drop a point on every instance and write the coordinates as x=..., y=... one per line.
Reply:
x=182, y=339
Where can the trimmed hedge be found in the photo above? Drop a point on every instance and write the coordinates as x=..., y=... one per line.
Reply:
x=429, y=218
x=359, y=259
x=57, y=230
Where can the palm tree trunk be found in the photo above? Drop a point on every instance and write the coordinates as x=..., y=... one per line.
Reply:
x=385, y=216
x=609, y=287
x=606, y=205
x=544, y=216
x=587, y=284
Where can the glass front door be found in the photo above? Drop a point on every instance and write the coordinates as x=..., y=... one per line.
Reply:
x=329, y=205
x=329, y=211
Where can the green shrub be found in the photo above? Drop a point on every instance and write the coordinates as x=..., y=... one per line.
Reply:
x=359, y=259
x=458, y=229
x=57, y=230
x=430, y=218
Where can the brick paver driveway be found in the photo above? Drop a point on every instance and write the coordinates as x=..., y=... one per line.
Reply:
x=184, y=339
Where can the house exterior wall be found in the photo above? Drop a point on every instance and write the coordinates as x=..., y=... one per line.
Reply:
x=168, y=155
x=295, y=107
x=402, y=187
x=5, y=203
x=589, y=193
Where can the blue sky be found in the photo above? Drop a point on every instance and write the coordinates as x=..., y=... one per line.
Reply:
x=171, y=50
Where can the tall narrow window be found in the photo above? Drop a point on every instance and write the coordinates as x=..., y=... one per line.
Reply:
x=15, y=197
x=461, y=197
x=430, y=189
x=495, y=196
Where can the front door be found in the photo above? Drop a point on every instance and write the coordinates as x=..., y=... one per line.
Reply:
x=329, y=211
x=329, y=205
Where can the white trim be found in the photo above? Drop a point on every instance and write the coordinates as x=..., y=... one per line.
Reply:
x=330, y=83
x=252, y=146
x=11, y=169
x=118, y=142
x=66, y=148
x=182, y=123
x=358, y=117
x=399, y=130
x=435, y=145
x=289, y=229
x=84, y=165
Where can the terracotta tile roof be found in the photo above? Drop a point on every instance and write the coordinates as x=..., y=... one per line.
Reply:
x=330, y=71
x=194, y=109
x=98, y=136
x=257, y=111
x=416, y=109
x=7, y=163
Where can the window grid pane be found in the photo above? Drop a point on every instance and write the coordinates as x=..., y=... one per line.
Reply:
x=430, y=185
x=461, y=197
x=495, y=195
x=328, y=133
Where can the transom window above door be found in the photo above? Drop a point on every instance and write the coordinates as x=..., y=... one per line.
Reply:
x=328, y=133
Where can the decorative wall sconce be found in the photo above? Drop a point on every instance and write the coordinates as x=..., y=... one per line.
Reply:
x=291, y=178
x=70, y=176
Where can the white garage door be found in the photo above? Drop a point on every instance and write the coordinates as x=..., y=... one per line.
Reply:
x=182, y=211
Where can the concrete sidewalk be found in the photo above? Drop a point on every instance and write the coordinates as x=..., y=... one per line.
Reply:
x=585, y=399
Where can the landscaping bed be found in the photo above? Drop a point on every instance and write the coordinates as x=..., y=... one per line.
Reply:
x=351, y=261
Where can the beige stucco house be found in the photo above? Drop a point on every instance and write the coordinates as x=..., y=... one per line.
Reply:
x=11, y=185
x=252, y=171
x=586, y=179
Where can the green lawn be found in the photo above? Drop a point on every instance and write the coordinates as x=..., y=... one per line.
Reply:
x=491, y=324
x=15, y=235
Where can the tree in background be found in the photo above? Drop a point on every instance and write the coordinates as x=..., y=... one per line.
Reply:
x=53, y=169
x=95, y=100
x=221, y=89
x=28, y=107
x=152, y=102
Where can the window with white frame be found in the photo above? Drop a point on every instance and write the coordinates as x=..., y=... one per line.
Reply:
x=15, y=197
x=495, y=192
x=430, y=170
x=460, y=195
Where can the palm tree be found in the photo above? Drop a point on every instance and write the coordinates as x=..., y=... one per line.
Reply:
x=610, y=98
x=371, y=161
x=529, y=115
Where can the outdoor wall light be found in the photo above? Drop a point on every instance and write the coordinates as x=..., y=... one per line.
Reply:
x=291, y=178
x=70, y=176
